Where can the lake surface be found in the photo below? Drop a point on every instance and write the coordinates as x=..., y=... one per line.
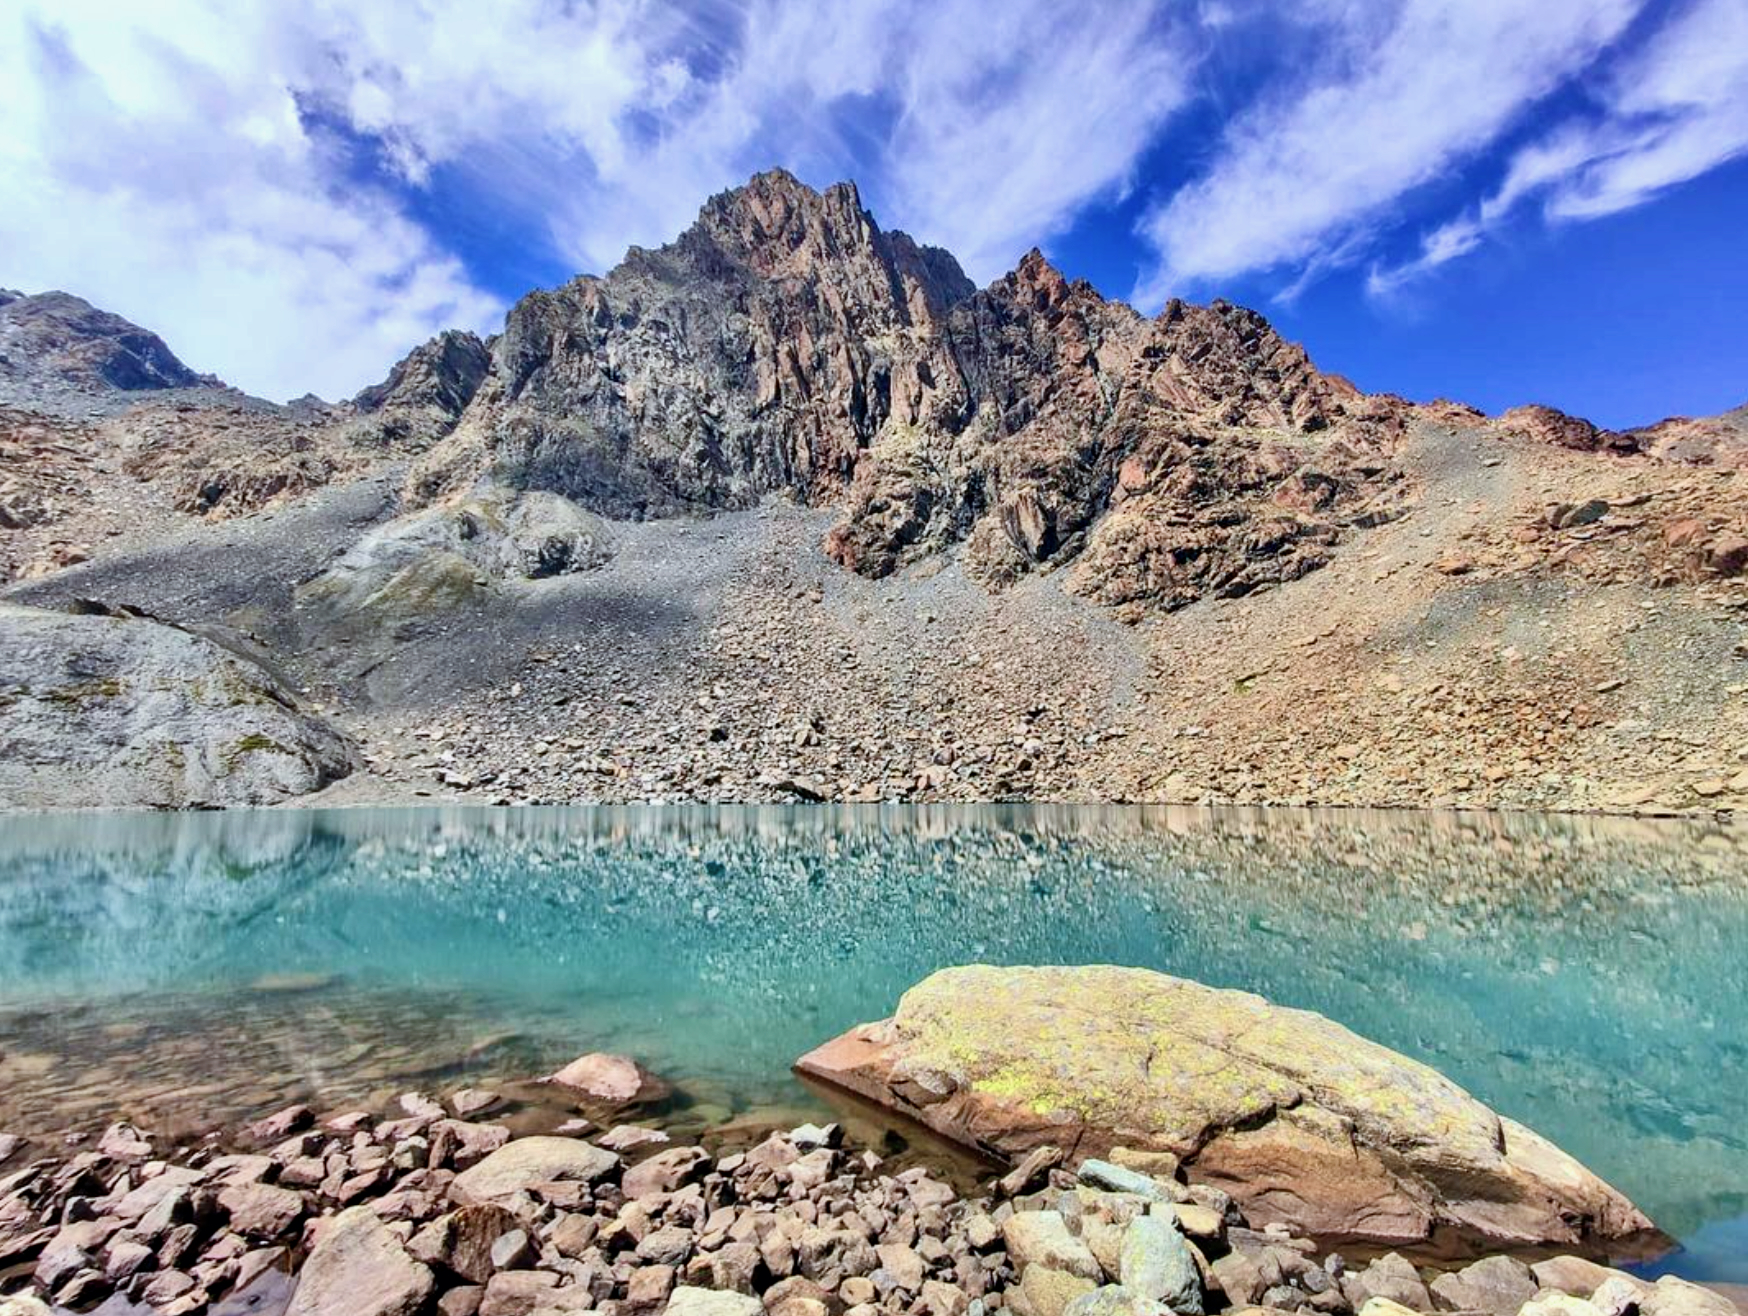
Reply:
x=1588, y=977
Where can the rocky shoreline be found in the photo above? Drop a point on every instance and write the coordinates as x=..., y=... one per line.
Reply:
x=440, y=1209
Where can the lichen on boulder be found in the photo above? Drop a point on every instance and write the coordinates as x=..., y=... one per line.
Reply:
x=1299, y=1119
x=123, y=711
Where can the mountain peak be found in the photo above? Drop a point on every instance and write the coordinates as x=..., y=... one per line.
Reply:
x=55, y=343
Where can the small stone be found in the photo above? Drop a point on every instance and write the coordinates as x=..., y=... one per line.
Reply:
x=668, y=1246
x=462, y=1301
x=649, y=1287
x=1116, y=1179
x=1048, y=1292
x=1576, y=1275
x=1157, y=1263
x=260, y=1210
x=280, y=1125
x=616, y=1080
x=574, y=1234
x=665, y=1171
x=624, y=1137
x=512, y=1250
x=857, y=1290
x=688, y=1301
x=1037, y=1163
x=1041, y=1238
x=1200, y=1222
x=517, y=1292
x=124, y=1142
x=473, y=1101
x=1499, y=1285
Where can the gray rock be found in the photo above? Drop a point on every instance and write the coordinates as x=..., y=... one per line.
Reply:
x=1156, y=1263
x=1391, y=1277
x=1117, y=1179
x=686, y=1301
x=1494, y=1284
x=118, y=711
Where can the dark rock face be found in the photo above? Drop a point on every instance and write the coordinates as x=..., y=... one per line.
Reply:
x=785, y=343
x=444, y=373
x=426, y=392
x=54, y=338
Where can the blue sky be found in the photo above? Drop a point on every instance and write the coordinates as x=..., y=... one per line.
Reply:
x=1494, y=200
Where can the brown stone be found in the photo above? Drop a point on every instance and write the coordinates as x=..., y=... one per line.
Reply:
x=358, y=1267
x=665, y=1171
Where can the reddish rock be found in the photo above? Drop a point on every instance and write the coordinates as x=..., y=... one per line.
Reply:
x=613, y=1080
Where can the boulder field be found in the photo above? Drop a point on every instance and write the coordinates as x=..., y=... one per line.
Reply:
x=1301, y=1121
x=432, y=1210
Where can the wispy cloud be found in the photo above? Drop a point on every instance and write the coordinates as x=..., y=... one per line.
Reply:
x=1666, y=113
x=247, y=176
x=1405, y=93
x=149, y=166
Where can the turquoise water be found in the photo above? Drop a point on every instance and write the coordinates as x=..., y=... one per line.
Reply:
x=1587, y=977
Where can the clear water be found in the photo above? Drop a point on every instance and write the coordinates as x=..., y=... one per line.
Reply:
x=1587, y=977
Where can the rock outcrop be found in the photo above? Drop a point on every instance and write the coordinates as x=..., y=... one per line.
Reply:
x=1293, y=1115
x=426, y=392
x=785, y=343
x=54, y=344
x=119, y=711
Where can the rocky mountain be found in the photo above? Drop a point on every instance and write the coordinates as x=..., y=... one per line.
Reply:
x=786, y=343
x=55, y=347
x=787, y=506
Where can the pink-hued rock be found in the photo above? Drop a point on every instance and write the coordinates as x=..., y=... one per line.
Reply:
x=616, y=1080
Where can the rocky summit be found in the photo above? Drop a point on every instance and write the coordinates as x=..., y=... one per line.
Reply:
x=789, y=509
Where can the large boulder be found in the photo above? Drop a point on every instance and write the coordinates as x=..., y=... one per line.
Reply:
x=1300, y=1120
x=530, y=1161
x=119, y=711
x=359, y=1267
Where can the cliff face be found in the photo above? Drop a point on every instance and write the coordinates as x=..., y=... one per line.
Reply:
x=764, y=350
x=786, y=343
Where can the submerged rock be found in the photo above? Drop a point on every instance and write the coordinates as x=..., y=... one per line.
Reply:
x=616, y=1080
x=1297, y=1118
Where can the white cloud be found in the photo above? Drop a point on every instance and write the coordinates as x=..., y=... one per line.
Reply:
x=1668, y=112
x=1405, y=91
x=244, y=176
x=195, y=164
x=151, y=169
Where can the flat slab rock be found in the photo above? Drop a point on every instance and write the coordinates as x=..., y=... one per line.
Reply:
x=1299, y=1119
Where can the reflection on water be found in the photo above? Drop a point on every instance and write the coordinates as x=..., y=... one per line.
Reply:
x=1585, y=976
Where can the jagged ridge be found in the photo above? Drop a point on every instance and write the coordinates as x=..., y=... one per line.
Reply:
x=786, y=343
